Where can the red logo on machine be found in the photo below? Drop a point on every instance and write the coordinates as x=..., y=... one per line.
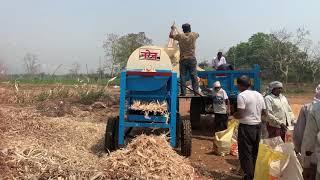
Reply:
x=150, y=54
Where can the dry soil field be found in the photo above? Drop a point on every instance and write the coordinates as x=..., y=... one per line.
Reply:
x=59, y=138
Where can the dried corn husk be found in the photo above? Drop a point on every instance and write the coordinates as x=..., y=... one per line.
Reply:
x=148, y=157
x=151, y=107
x=34, y=147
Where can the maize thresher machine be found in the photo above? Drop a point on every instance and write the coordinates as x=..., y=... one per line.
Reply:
x=149, y=77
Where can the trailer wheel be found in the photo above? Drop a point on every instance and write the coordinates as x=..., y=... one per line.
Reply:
x=116, y=134
x=195, y=112
x=111, y=135
x=178, y=130
x=185, y=137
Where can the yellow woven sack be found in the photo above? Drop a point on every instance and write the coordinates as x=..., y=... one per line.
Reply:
x=222, y=139
x=266, y=156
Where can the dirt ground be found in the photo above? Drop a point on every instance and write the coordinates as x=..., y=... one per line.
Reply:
x=76, y=139
x=227, y=167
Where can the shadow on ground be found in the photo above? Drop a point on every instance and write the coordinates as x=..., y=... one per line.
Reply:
x=233, y=162
x=98, y=148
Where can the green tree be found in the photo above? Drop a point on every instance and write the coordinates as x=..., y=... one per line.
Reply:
x=255, y=51
x=118, y=49
x=110, y=46
x=279, y=54
x=314, y=63
x=204, y=65
x=289, y=49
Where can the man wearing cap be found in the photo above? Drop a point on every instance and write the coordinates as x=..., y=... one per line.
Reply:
x=298, y=134
x=188, y=62
x=219, y=60
x=310, y=144
x=250, y=108
x=221, y=107
x=280, y=115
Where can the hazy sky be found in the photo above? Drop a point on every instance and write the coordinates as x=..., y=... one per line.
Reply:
x=67, y=31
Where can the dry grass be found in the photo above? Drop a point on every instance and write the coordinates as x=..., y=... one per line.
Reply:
x=84, y=94
x=55, y=108
x=34, y=147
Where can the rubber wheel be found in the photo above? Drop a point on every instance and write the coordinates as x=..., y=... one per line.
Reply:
x=195, y=112
x=115, y=134
x=111, y=135
x=185, y=137
x=178, y=130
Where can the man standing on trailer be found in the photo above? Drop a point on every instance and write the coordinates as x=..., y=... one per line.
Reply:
x=251, y=107
x=188, y=62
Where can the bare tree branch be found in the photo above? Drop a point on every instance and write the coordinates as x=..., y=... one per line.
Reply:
x=3, y=69
x=75, y=69
x=31, y=64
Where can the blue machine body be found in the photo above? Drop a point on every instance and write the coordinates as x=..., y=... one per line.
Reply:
x=163, y=86
x=147, y=87
x=228, y=79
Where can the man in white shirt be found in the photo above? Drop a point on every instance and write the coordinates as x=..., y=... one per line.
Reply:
x=221, y=107
x=298, y=136
x=219, y=60
x=250, y=108
x=310, y=147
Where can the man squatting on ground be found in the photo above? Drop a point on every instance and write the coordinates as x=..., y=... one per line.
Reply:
x=188, y=62
x=250, y=108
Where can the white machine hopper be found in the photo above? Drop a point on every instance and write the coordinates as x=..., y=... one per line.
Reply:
x=149, y=58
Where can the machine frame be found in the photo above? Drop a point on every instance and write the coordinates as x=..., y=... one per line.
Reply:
x=149, y=86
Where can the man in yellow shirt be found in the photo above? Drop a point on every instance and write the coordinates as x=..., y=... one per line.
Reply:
x=188, y=62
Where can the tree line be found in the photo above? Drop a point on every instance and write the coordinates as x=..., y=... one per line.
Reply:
x=282, y=55
x=289, y=56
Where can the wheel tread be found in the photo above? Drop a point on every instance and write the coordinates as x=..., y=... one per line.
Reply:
x=195, y=113
x=186, y=138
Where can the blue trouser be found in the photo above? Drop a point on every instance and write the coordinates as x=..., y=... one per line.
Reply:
x=188, y=66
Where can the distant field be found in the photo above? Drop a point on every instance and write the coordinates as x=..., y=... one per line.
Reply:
x=291, y=88
x=60, y=79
